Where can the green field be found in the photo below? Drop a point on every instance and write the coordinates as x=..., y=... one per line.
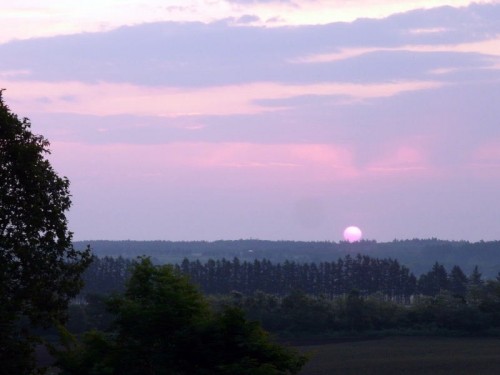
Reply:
x=405, y=355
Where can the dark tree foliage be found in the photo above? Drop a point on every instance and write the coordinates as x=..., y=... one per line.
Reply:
x=163, y=325
x=490, y=303
x=328, y=280
x=39, y=268
x=458, y=281
x=432, y=282
x=301, y=315
x=366, y=274
x=465, y=308
x=106, y=275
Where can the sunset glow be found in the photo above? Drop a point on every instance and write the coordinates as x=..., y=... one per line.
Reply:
x=228, y=119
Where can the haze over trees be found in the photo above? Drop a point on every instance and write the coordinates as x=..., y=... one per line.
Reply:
x=39, y=267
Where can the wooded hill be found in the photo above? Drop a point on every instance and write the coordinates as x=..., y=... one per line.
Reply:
x=417, y=254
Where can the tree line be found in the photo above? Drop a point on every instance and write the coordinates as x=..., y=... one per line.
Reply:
x=442, y=301
x=417, y=254
x=300, y=315
x=330, y=279
x=363, y=273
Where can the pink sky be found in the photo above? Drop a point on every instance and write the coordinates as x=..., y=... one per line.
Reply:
x=266, y=120
x=56, y=17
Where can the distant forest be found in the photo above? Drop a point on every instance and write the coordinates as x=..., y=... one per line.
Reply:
x=354, y=293
x=362, y=273
x=419, y=255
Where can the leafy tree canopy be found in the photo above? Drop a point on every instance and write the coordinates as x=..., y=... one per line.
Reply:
x=163, y=325
x=39, y=268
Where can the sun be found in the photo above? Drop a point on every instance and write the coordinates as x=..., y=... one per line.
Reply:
x=352, y=234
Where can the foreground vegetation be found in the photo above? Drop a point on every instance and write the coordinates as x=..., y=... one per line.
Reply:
x=162, y=325
x=405, y=355
x=39, y=267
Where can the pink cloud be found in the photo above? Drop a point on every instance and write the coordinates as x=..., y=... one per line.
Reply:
x=398, y=158
x=299, y=168
x=485, y=161
x=116, y=99
x=244, y=164
x=489, y=47
x=489, y=151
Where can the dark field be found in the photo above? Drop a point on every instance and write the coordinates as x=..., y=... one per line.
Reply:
x=405, y=355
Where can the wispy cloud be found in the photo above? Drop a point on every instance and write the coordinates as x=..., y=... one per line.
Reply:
x=489, y=47
x=61, y=17
x=107, y=99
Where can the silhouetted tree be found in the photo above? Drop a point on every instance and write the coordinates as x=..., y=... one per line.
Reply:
x=458, y=281
x=39, y=268
x=433, y=281
x=475, y=287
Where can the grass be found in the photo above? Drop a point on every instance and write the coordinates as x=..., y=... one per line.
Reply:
x=405, y=355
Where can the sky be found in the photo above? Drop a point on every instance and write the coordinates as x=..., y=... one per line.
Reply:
x=267, y=119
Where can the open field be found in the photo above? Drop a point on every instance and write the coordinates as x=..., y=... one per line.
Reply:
x=405, y=355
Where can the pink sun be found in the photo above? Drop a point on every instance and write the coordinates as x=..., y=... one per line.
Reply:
x=352, y=234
